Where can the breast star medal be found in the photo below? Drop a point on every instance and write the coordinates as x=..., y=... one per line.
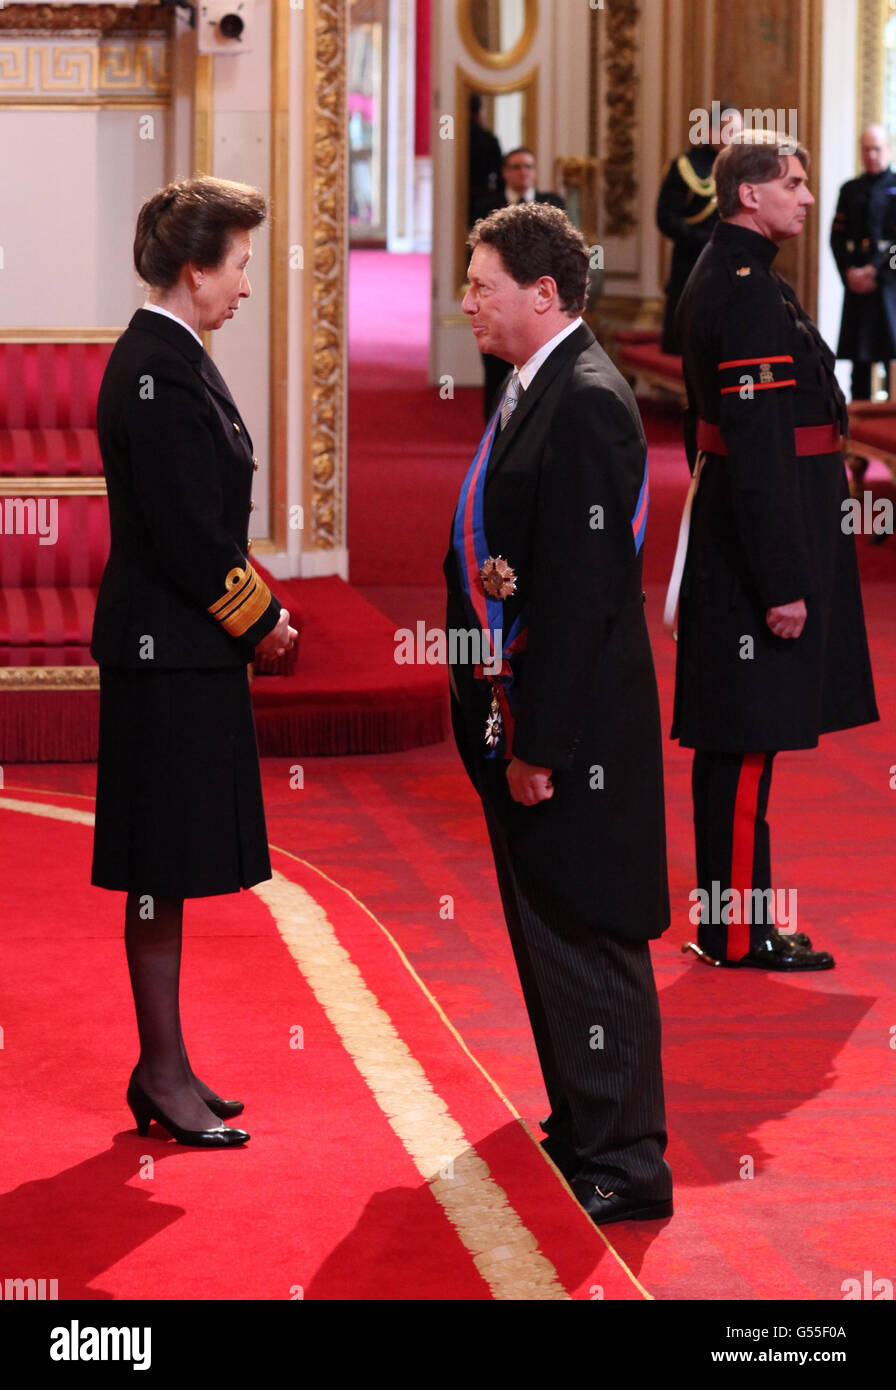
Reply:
x=494, y=724
x=498, y=578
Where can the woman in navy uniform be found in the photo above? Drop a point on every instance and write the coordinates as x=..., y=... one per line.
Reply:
x=772, y=650
x=180, y=612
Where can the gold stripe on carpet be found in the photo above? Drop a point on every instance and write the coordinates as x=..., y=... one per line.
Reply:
x=40, y=808
x=503, y=1250
x=424, y=989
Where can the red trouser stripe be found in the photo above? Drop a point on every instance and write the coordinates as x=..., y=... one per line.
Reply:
x=743, y=846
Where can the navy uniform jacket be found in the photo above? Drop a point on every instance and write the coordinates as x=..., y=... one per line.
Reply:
x=588, y=704
x=767, y=523
x=686, y=213
x=179, y=469
x=864, y=233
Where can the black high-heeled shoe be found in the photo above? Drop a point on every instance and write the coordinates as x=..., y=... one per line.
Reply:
x=145, y=1109
x=224, y=1109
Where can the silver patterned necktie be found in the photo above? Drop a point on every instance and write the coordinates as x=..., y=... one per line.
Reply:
x=511, y=399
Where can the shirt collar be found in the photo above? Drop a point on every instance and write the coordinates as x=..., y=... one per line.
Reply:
x=528, y=369
x=157, y=309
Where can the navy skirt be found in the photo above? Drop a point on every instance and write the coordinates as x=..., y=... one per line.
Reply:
x=179, y=811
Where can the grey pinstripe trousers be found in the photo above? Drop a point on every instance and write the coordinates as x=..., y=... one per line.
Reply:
x=592, y=1004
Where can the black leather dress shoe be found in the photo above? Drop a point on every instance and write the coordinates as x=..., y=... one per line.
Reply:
x=782, y=953
x=604, y=1209
x=797, y=938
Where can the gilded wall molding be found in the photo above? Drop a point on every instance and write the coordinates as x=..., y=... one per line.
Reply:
x=49, y=677
x=873, y=16
x=326, y=236
x=620, y=183
x=86, y=19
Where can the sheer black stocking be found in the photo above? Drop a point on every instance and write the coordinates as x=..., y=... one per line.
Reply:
x=153, y=946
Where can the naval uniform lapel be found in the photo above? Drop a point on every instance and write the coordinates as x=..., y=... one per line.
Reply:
x=216, y=383
x=570, y=347
x=178, y=336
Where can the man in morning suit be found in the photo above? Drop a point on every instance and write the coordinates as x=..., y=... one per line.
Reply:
x=771, y=649
x=863, y=238
x=557, y=722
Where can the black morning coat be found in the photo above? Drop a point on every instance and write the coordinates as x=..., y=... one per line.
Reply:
x=766, y=525
x=864, y=233
x=179, y=468
x=588, y=705
x=686, y=214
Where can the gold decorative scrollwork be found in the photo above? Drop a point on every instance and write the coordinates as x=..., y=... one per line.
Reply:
x=49, y=678
x=327, y=223
x=86, y=19
x=620, y=185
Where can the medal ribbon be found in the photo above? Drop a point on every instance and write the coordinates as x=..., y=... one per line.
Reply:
x=639, y=520
x=484, y=612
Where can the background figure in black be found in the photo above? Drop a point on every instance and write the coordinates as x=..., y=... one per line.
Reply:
x=485, y=162
x=686, y=213
x=518, y=170
x=862, y=240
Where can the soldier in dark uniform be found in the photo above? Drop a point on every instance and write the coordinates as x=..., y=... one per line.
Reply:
x=772, y=649
x=179, y=615
x=863, y=238
x=686, y=213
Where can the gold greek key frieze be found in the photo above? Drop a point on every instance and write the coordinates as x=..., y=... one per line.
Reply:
x=89, y=71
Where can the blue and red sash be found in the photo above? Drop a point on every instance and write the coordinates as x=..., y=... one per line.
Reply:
x=485, y=613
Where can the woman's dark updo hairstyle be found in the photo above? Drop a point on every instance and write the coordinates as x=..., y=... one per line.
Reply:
x=192, y=221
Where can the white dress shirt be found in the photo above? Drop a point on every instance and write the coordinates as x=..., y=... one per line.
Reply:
x=528, y=369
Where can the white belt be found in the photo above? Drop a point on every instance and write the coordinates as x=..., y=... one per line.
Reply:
x=684, y=531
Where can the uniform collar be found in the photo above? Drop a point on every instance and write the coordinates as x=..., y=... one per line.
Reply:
x=172, y=330
x=157, y=309
x=732, y=235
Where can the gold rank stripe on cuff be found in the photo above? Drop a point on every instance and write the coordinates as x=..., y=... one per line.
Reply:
x=245, y=600
x=760, y=373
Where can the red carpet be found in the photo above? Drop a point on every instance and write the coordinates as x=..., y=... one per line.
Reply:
x=383, y=1164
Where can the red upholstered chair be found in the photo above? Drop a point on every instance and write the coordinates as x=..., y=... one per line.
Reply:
x=51, y=480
